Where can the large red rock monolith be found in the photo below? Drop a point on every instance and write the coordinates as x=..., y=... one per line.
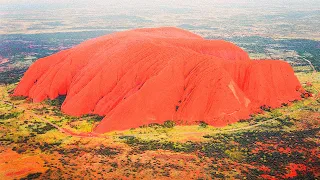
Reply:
x=145, y=76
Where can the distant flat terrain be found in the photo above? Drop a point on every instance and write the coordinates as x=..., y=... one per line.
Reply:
x=276, y=19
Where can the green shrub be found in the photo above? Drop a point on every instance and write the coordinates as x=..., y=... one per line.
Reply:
x=169, y=124
x=203, y=124
x=56, y=102
x=275, y=113
x=265, y=108
x=17, y=98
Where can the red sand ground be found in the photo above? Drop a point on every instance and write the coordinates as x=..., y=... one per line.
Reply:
x=15, y=166
x=148, y=76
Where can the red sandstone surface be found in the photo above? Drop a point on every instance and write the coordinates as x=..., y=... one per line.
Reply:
x=145, y=76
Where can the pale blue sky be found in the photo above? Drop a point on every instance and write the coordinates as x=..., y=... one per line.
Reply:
x=176, y=2
x=38, y=4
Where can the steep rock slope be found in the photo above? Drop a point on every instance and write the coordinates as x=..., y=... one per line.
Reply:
x=152, y=75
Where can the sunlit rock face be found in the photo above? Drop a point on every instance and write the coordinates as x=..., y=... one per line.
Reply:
x=145, y=76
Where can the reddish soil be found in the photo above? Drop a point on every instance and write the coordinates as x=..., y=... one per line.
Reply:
x=14, y=165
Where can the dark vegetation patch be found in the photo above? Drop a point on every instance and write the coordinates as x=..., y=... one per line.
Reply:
x=203, y=124
x=40, y=128
x=166, y=124
x=75, y=151
x=107, y=151
x=143, y=145
x=265, y=108
x=9, y=115
x=46, y=147
x=169, y=124
x=219, y=146
x=5, y=141
x=57, y=102
x=32, y=176
x=16, y=98
x=41, y=111
x=12, y=76
x=93, y=117
x=286, y=121
x=19, y=150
